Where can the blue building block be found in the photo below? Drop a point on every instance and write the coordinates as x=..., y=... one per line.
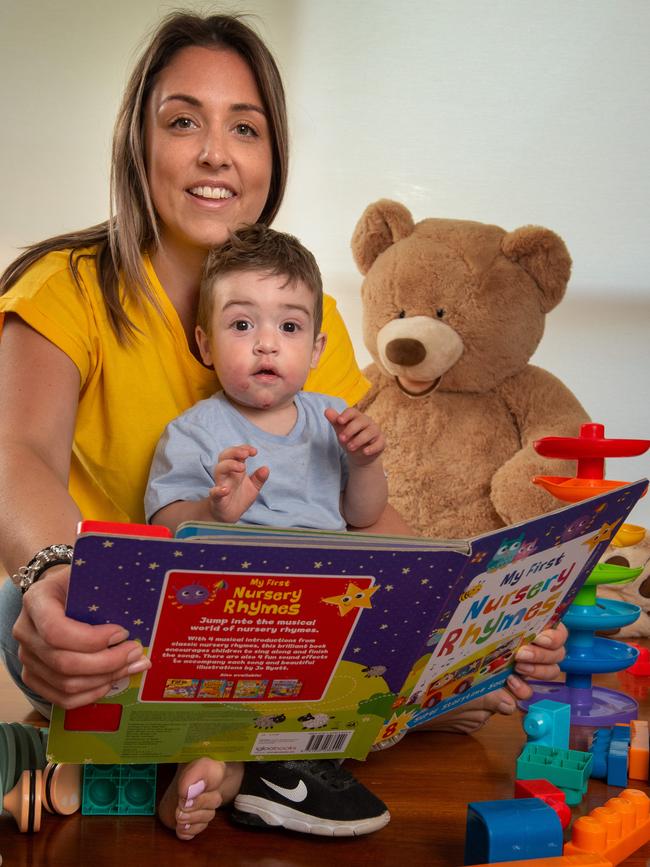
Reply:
x=569, y=770
x=119, y=790
x=610, y=749
x=599, y=749
x=618, y=761
x=510, y=830
x=548, y=722
x=621, y=733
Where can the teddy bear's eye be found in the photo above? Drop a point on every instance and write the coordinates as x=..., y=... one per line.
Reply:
x=440, y=312
x=401, y=314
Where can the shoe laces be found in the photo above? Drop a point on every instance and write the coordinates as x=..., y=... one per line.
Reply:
x=329, y=771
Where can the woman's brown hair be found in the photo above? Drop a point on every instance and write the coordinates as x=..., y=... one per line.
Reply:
x=132, y=226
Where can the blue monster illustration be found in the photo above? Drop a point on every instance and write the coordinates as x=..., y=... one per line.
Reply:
x=505, y=554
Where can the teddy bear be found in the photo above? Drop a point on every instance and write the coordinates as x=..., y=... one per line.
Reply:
x=452, y=312
x=638, y=591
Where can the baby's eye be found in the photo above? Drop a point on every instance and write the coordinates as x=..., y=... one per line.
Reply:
x=241, y=325
x=290, y=327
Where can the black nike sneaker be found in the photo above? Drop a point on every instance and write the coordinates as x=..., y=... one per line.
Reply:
x=313, y=797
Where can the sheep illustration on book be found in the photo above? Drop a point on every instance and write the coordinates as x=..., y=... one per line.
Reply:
x=374, y=670
x=268, y=721
x=505, y=553
x=311, y=721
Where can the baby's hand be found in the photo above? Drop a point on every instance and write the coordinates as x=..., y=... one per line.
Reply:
x=234, y=492
x=359, y=435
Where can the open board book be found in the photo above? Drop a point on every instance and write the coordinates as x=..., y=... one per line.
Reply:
x=284, y=644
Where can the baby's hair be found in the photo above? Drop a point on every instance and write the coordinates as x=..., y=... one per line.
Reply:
x=260, y=248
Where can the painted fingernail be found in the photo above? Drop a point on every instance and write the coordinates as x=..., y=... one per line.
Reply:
x=118, y=638
x=525, y=654
x=142, y=664
x=135, y=654
x=186, y=827
x=196, y=789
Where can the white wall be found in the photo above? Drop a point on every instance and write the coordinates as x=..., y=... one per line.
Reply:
x=511, y=112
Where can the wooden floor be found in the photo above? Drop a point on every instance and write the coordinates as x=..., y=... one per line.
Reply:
x=426, y=780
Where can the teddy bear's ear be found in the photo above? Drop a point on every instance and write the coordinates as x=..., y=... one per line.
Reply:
x=381, y=224
x=544, y=255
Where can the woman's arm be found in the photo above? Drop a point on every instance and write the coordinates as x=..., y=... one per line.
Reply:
x=66, y=662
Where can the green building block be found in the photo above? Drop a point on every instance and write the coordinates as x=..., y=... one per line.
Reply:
x=569, y=770
x=119, y=790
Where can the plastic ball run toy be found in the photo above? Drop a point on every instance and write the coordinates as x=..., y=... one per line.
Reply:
x=586, y=653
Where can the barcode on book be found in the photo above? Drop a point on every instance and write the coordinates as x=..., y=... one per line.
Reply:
x=292, y=743
x=332, y=742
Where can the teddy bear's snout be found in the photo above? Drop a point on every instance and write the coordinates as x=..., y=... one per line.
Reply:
x=405, y=351
x=418, y=347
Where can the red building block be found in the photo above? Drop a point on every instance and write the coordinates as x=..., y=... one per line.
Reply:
x=614, y=831
x=641, y=666
x=548, y=793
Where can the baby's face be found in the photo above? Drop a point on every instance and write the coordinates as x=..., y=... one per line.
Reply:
x=262, y=343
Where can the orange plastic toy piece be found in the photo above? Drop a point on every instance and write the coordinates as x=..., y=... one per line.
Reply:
x=590, y=450
x=585, y=859
x=614, y=831
x=639, y=755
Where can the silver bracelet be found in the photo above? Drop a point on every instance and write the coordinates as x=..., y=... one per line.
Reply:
x=54, y=555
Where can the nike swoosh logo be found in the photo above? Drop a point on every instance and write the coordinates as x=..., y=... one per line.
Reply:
x=297, y=794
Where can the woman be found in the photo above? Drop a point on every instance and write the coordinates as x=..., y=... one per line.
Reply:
x=97, y=352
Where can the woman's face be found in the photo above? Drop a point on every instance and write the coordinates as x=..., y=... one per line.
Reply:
x=208, y=148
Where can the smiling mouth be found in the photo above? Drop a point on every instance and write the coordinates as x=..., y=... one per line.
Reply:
x=211, y=192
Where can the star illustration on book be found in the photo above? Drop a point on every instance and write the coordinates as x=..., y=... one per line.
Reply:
x=396, y=726
x=79, y=562
x=354, y=597
x=107, y=543
x=603, y=534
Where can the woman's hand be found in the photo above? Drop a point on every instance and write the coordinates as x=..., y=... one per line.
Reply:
x=539, y=661
x=67, y=662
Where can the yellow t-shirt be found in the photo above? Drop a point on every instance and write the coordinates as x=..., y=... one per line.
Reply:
x=129, y=393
